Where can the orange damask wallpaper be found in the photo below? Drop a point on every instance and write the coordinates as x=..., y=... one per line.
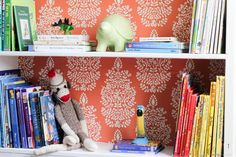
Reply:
x=110, y=88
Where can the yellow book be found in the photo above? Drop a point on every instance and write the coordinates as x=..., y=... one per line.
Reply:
x=198, y=126
x=210, y=120
x=215, y=123
x=219, y=138
x=191, y=151
x=206, y=104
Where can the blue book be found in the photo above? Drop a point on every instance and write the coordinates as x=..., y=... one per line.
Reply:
x=14, y=119
x=36, y=119
x=157, y=45
x=138, y=50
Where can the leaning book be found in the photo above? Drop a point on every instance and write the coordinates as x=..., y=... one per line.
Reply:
x=23, y=27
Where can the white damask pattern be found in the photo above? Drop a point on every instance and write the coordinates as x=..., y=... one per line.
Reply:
x=84, y=13
x=154, y=33
x=43, y=73
x=26, y=65
x=83, y=72
x=117, y=136
x=48, y=14
x=216, y=67
x=181, y=27
x=118, y=97
x=154, y=13
x=94, y=128
x=119, y=8
x=153, y=74
x=155, y=121
x=176, y=90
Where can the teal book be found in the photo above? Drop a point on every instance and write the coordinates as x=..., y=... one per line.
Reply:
x=7, y=26
x=23, y=27
x=31, y=5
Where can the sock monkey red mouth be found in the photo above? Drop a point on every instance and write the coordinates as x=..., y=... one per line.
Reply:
x=65, y=98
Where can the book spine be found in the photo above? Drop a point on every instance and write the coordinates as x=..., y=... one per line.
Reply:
x=21, y=119
x=131, y=147
x=215, y=123
x=157, y=45
x=51, y=120
x=192, y=145
x=27, y=119
x=153, y=50
x=193, y=103
x=55, y=48
x=14, y=119
x=165, y=39
x=220, y=128
x=7, y=32
x=47, y=138
x=192, y=25
x=181, y=115
x=36, y=118
x=211, y=118
x=1, y=48
x=64, y=37
x=8, y=122
x=3, y=24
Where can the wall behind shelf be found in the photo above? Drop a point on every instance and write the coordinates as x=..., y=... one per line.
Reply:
x=148, y=18
x=110, y=88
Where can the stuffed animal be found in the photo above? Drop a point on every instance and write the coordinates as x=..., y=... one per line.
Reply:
x=113, y=32
x=70, y=117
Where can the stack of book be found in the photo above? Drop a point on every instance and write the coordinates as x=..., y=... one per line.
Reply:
x=126, y=146
x=201, y=120
x=26, y=113
x=157, y=45
x=62, y=43
x=208, y=26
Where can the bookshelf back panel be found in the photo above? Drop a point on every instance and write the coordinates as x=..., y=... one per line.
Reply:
x=172, y=18
x=110, y=88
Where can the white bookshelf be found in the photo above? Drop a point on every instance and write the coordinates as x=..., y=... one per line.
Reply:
x=103, y=151
x=116, y=54
x=8, y=60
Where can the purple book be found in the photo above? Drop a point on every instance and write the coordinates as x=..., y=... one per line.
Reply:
x=21, y=118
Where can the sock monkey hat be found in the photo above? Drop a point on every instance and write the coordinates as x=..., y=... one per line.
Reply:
x=55, y=79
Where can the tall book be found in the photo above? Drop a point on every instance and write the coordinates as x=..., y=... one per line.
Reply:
x=219, y=140
x=31, y=5
x=23, y=27
x=211, y=119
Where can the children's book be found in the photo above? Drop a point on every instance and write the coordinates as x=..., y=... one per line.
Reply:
x=23, y=27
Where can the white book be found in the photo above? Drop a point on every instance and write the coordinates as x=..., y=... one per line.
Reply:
x=218, y=26
x=222, y=16
x=79, y=37
x=213, y=34
x=201, y=24
x=162, y=39
x=192, y=25
x=68, y=42
x=208, y=26
x=60, y=48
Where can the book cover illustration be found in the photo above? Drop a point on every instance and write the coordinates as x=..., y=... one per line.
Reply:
x=23, y=27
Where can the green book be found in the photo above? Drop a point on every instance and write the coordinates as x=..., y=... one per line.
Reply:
x=31, y=5
x=23, y=27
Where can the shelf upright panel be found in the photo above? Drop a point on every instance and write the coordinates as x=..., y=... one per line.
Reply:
x=7, y=63
x=230, y=95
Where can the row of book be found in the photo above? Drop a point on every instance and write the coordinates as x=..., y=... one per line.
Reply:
x=157, y=45
x=201, y=120
x=208, y=26
x=27, y=113
x=126, y=146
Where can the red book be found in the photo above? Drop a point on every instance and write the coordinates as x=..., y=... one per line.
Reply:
x=185, y=120
x=181, y=114
x=193, y=105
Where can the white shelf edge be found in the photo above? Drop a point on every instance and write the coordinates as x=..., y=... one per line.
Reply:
x=115, y=54
x=103, y=151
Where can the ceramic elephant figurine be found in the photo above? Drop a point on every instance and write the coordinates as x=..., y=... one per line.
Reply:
x=113, y=32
